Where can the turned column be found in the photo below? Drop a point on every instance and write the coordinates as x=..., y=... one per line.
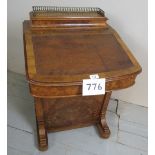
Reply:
x=41, y=127
x=102, y=125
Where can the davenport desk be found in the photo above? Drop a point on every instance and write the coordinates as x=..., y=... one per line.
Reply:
x=62, y=47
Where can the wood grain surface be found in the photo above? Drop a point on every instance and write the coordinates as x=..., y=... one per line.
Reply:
x=62, y=47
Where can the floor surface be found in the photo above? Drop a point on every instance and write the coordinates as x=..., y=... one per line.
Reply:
x=128, y=124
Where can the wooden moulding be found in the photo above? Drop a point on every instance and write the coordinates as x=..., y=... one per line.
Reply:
x=75, y=89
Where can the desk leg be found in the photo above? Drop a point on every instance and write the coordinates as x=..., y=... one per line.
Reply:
x=41, y=128
x=102, y=125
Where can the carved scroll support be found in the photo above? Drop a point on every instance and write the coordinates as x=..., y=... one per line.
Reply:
x=102, y=125
x=41, y=127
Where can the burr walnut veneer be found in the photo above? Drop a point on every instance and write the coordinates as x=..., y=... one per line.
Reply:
x=63, y=46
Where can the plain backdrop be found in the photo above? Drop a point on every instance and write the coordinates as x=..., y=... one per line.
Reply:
x=128, y=17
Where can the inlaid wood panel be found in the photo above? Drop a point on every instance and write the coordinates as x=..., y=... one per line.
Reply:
x=68, y=112
x=78, y=54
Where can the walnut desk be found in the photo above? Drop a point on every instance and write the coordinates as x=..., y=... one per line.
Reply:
x=63, y=46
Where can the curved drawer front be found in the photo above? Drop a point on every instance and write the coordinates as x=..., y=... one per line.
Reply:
x=61, y=90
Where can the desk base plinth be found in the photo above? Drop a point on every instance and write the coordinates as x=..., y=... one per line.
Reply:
x=70, y=113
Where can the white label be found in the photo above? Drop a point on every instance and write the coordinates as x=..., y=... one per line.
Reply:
x=93, y=87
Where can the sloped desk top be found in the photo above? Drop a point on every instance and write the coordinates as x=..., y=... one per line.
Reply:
x=67, y=56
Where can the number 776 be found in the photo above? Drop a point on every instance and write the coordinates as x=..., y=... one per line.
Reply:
x=94, y=86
